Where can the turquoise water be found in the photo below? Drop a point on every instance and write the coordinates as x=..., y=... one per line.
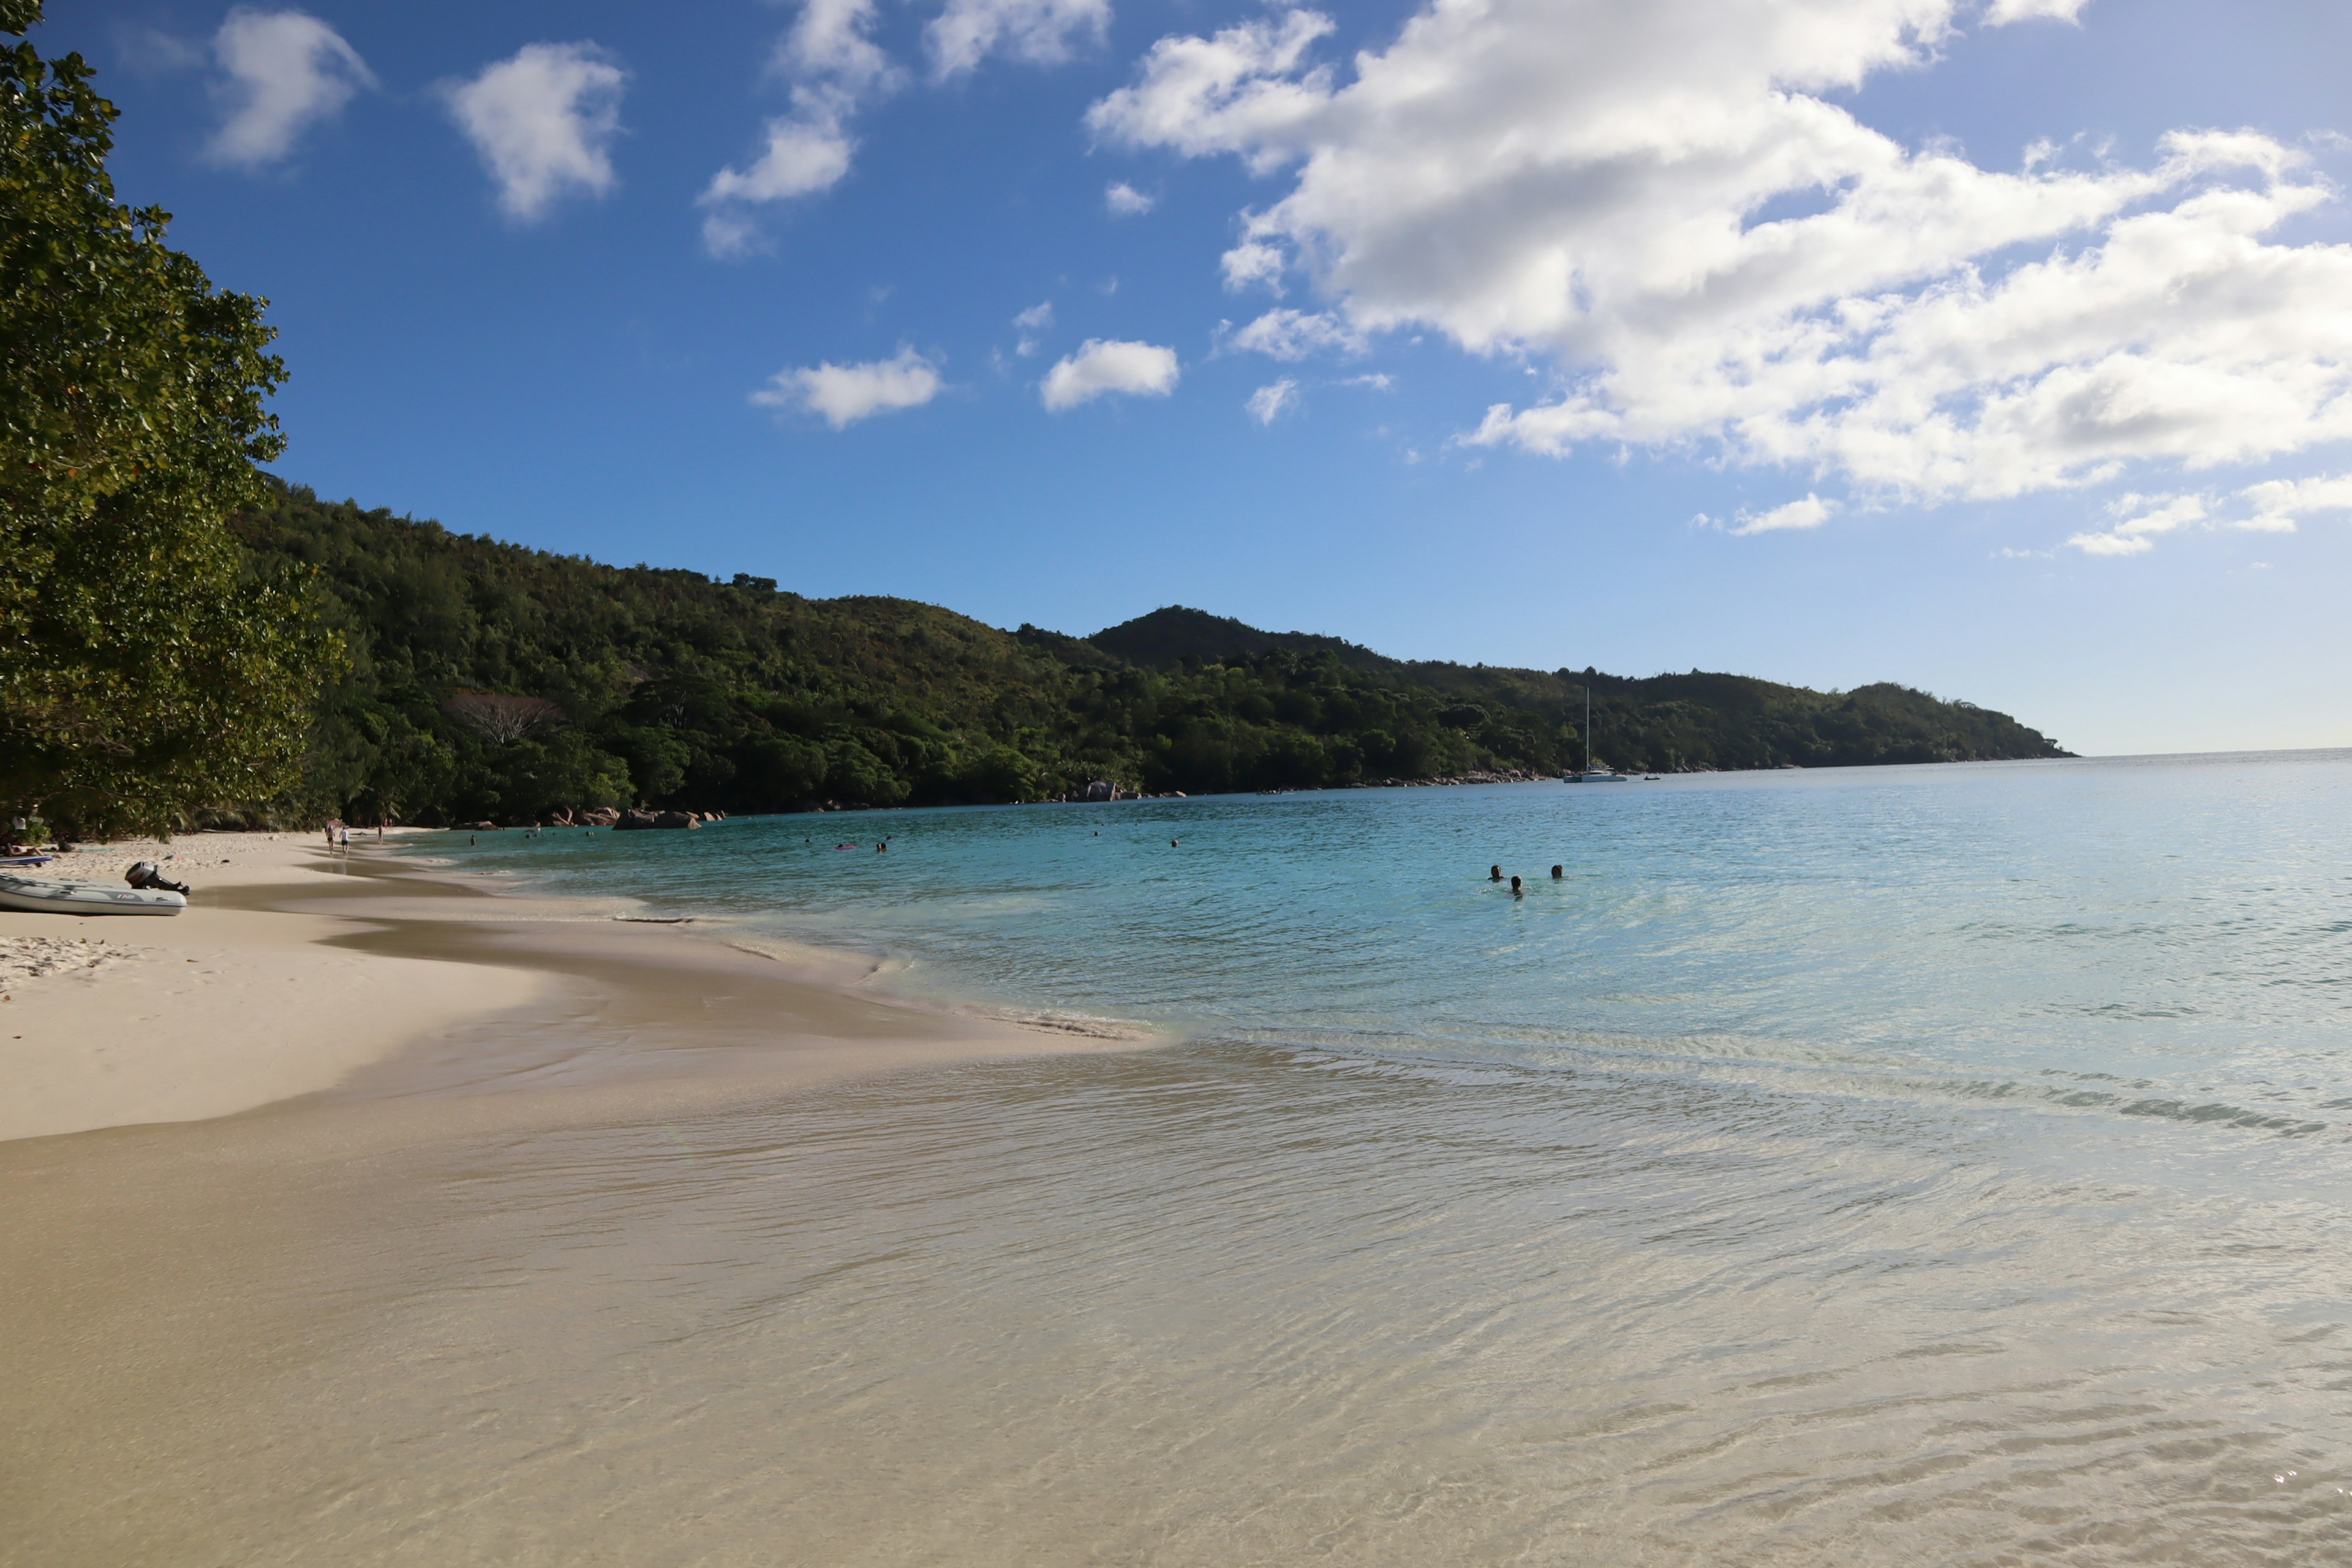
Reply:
x=2164, y=937
x=1915, y=1166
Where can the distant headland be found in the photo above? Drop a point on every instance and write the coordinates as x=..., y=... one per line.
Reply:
x=492, y=682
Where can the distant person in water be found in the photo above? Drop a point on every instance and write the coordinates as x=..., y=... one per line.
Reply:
x=1556, y=873
x=1517, y=891
x=1493, y=873
x=883, y=847
x=1171, y=844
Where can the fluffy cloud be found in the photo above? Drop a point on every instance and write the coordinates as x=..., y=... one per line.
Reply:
x=1125, y=201
x=836, y=67
x=544, y=123
x=842, y=394
x=2278, y=504
x=1043, y=31
x=2273, y=506
x=1664, y=201
x=1809, y=513
x=281, y=73
x=1269, y=402
x=1102, y=366
x=1288, y=334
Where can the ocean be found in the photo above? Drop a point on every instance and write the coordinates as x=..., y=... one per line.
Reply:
x=1920, y=1165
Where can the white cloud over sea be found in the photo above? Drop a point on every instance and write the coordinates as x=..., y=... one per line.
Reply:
x=1667, y=208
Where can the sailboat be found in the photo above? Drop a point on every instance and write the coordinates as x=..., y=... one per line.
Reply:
x=1590, y=774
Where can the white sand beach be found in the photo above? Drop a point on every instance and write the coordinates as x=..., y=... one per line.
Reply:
x=296, y=969
x=113, y=1020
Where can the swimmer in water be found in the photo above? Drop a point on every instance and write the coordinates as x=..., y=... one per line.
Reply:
x=883, y=847
x=1171, y=844
x=1556, y=873
x=1493, y=873
x=1517, y=891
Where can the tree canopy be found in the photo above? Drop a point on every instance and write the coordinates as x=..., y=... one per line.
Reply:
x=146, y=668
x=669, y=689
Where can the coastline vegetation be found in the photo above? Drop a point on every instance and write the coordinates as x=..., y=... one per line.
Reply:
x=665, y=688
x=149, y=667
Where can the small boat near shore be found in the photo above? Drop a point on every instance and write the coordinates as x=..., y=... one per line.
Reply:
x=39, y=894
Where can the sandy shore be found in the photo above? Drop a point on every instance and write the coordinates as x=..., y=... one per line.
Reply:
x=297, y=972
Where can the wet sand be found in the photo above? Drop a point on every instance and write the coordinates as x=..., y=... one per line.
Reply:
x=226, y=1137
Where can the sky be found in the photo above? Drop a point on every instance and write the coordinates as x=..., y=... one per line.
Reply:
x=2001, y=348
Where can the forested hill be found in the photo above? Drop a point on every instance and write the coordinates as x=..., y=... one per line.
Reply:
x=486, y=680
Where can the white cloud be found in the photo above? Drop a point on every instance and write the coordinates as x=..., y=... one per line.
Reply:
x=1039, y=31
x=544, y=122
x=836, y=67
x=1269, y=402
x=1252, y=264
x=1378, y=381
x=1102, y=366
x=844, y=394
x=2004, y=11
x=1286, y=334
x=2273, y=506
x=1809, y=513
x=281, y=73
x=1595, y=182
x=801, y=156
x=1031, y=322
x=2278, y=504
x=830, y=42
x=1125, y=201
x=2140, y=520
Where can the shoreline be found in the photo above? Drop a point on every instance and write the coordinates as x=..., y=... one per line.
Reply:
x=298, y=974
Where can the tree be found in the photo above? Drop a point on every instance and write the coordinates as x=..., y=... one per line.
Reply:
x=145, y=672
x=502, y=718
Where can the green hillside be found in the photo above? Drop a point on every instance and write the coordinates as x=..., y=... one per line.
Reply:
x=488, y=681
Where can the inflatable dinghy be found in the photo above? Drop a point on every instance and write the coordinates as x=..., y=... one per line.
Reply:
x=37, y=895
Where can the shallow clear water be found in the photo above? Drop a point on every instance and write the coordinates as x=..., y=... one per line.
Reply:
x=2168, y=937
x=1922, y=1165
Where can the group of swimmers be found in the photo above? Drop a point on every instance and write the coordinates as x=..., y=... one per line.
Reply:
x=1495, y=874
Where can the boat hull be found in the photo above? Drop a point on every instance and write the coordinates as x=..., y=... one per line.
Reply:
x=39, y=894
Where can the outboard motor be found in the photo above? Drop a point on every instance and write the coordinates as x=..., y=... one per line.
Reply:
x=146, y=878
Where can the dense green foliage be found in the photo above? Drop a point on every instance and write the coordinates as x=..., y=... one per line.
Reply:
x=669, y=689
x=145, y=669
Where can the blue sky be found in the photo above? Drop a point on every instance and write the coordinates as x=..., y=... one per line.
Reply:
x=2002, y=349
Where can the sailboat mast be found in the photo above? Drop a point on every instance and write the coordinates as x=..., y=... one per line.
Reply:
x=1588, y=727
